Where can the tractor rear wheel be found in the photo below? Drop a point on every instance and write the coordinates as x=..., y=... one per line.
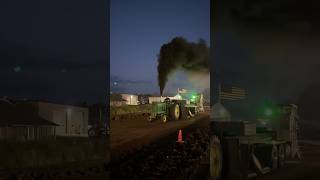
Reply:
x=175, y=112
x=215, y=158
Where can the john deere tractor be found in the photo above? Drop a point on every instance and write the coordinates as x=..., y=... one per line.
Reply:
x=171, y=110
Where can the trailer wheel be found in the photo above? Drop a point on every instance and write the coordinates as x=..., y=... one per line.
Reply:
x=282, y=155
x=215, y=159
x=274, y=157
x=175, y=112
x=92, y=132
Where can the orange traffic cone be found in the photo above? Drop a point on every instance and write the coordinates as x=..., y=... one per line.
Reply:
x=180, y=137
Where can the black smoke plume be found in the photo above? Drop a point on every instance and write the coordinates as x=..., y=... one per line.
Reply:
x=184, y=55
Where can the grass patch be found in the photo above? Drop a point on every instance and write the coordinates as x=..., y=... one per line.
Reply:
x=49, y=152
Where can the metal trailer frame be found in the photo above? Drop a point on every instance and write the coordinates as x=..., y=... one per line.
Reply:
x=244, y=154
x=246, y=157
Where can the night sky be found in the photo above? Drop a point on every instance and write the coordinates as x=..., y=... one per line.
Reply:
x=271, y=48
x=140, y=28
x=53, y=50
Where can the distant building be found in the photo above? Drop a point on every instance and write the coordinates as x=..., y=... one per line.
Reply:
x=130, y=98
x=123, y=99
x=143, y=99
x=72, y=120
x=39, y=119
x=117, y=100
x=21, y=122
x=153, y=99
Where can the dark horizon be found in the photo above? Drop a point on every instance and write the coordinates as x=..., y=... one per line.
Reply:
x=270, y=48
x=54, y=50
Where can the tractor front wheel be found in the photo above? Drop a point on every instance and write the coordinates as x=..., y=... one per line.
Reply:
x=215, y=158
x=164, y=118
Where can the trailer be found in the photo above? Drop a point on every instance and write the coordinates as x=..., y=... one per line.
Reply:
x=242, y=149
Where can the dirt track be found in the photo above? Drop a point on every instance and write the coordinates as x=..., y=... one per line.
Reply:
x=141, y=149
x=132, y=132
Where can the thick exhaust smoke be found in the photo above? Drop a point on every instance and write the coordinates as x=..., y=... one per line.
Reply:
x=184, y=55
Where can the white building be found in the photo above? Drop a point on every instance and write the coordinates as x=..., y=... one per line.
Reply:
x=71, y=120
x=130, y=98
x=158, y=99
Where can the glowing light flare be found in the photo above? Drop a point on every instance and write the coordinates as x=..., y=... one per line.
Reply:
x=268, y=112
x=17, y=69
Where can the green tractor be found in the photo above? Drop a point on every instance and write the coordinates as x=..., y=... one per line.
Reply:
x=171, y=110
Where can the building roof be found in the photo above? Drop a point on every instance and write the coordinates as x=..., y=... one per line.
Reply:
x=21, y=114
x=14, y=101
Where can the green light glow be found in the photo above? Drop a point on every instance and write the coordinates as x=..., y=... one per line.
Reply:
x=268, y=110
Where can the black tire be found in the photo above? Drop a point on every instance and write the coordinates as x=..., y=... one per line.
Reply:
x=92, y=132
x=175, y=112
x=282, y=155
x=274, y=157
x=288, y=151
x=216, y=158
x=184, y=113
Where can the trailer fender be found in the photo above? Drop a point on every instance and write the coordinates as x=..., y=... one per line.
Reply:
x=257, y=164
x=190, y=113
